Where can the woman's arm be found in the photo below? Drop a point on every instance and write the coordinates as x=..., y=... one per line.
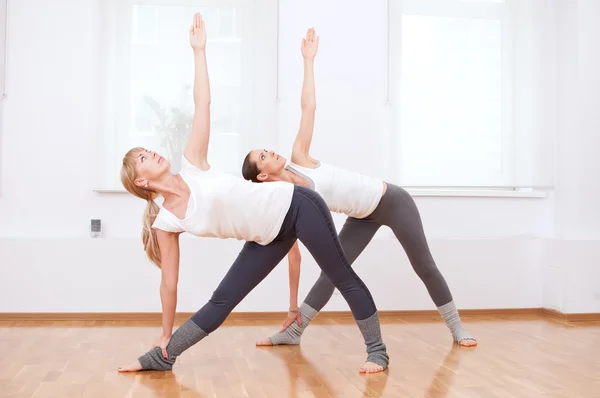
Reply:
x=308, y=101
x=196, y=150
x=294, y=260
x=168, y=244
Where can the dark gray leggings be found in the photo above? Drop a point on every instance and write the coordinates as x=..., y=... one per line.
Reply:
x=310, y=221
x=397, y=210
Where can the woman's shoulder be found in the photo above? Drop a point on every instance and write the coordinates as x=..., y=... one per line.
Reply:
x=306, y=164
x=188, y=165
x=166, y=221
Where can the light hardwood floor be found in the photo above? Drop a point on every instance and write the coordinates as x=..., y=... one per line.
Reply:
x=517, y=356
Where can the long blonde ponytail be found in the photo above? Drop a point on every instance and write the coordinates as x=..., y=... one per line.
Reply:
x=128, y=176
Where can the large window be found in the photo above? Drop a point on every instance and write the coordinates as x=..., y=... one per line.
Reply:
x=150, y=72
x=458, y=69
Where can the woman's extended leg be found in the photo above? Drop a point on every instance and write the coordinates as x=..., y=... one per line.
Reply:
x=316, y=230
x=252, y=265
x=354, y=237
x=399, y=211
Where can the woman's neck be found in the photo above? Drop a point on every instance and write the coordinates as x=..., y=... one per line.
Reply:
x=171, y=186
x=295, y=179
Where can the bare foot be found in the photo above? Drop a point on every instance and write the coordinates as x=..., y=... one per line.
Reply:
x=266, y=341
x=370, y=367
x=132, y=367
x=467, y=342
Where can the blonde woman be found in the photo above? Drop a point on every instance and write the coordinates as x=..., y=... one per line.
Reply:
x=209, y=203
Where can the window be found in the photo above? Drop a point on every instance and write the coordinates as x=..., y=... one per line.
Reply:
x=457, y=119
x=150, y=73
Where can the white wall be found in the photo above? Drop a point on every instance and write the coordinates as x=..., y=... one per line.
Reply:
x=493, y=251
x=572, y=275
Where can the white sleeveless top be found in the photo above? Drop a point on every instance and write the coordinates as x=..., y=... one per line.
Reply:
x=344, y=191
x=225, y=206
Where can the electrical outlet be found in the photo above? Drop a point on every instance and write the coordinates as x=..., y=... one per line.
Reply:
x=95, y=228
x=597, y=296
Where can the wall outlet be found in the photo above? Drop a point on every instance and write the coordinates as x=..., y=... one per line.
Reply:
x=95, y=228
x=597, y=296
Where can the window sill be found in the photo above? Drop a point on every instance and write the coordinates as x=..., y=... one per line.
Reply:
x=102, y=190
x=476, y=193
x=440, y=192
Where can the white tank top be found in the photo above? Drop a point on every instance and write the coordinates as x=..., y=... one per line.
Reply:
x=225, y=206
x=344, y=191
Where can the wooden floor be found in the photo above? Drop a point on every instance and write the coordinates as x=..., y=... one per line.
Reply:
x=526, y=356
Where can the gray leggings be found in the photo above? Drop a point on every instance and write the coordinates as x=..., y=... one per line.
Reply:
x=397, y=210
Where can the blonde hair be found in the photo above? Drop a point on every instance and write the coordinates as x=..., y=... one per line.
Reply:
x=128, y=177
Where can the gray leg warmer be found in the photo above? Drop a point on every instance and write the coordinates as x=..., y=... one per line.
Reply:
x=184, y=337
x=293, y=333
x=376, y=350
x=452, y=319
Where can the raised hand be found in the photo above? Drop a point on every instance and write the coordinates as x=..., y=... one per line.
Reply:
x=310, y=44
x=198, y=33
